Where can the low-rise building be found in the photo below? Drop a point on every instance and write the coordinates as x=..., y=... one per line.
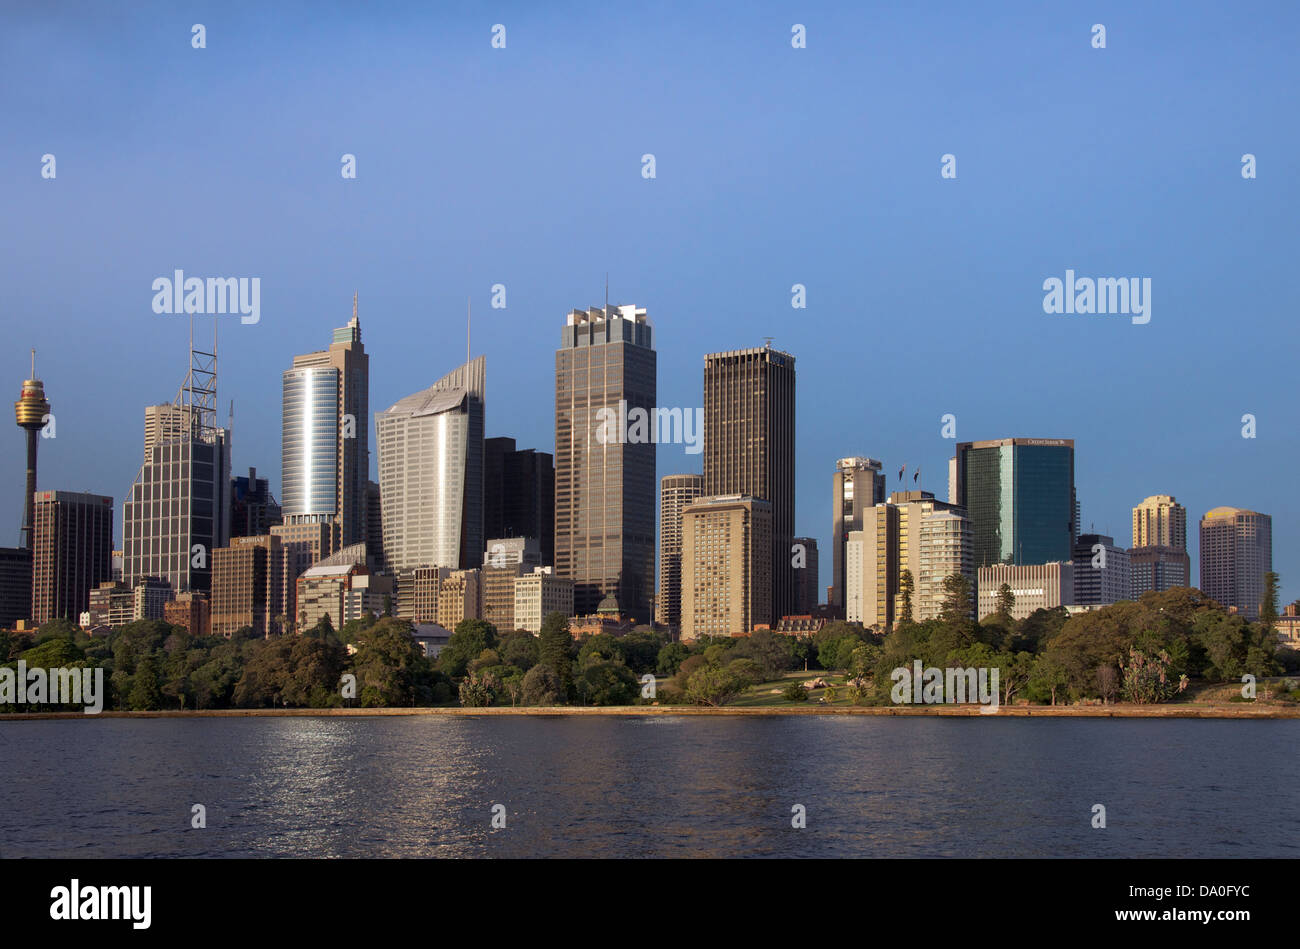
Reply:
x=538, y=594
x=1034, y=586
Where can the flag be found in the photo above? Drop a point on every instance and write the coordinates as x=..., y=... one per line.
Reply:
x=900, y=472
x=917, y=474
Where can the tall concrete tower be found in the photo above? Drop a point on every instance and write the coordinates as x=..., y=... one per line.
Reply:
x=29, y=412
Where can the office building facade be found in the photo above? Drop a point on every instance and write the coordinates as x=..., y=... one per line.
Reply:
x=177, y=511
x=1158, y=559
x=1101, y=571
x=1034, y=586
x=71, y=552
x=749, y=447
x=726, y=566
x=605, y=486
x=540, y=593
x=912, y=533
x=1019, y=494
x=519, y=494
x=248, y=587
x=857, y=485
x=1236, y=552
x=675, y=492
x=325, y=438
x=431, y=473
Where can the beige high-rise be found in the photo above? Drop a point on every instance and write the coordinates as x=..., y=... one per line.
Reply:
x=675, y=492
x=857, y=486
x=248, y=586
x=911, y=532
x=1160, y=521
x=1158, y=559
x=1236, y=552
x=726, y=566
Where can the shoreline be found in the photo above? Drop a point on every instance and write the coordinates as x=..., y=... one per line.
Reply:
x=1005, y=711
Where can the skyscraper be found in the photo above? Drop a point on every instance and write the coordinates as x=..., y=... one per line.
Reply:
x=857, y=485
x=1019, y=494
x=605, y=487
x=807, y=592
x=325, y=440
x=726, y=566
x=1160, y=521
x=1236, y=552
x=248, y=587
x=519, y=494
x=253, y=511
x=431, y=472
x=1158, y=559
x=1101, y=571
x=72, y=552
x=675, y=492
x=177, y=511
x=749, y=445
x=910, y=533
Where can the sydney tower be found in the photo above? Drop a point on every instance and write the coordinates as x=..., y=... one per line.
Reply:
x=30, y=412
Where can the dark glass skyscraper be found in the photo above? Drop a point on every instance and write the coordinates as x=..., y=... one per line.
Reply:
x=605, y=486
x=519, y=494
x=1019, y=494
x=749, y=445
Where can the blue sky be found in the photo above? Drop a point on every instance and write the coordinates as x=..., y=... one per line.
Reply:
x=774, y=166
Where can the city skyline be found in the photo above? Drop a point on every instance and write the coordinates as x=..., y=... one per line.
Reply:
x=714, y=252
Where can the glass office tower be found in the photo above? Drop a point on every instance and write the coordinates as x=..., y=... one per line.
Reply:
x=1019, y=494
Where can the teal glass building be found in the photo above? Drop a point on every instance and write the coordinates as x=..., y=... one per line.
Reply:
x=1019, y=494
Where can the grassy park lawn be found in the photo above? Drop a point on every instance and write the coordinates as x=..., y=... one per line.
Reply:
x=763, y=694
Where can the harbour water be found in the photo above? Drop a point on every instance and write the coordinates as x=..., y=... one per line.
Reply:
x=653, y=786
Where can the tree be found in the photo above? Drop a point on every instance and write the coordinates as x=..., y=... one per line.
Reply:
x=555, y=650
x=1148, y=679
x=467, y=642
x=1268, y=603
x=479, y=691
x=541, y=686
x=519, y=649
x=391, y=668
x=905, y=589
x=671, y=656
x=956, y=599
x=1006, y=601
x=714, y=685
x=145, y=692
x=773, y=652
x=608, y=682
x=1050, y=675
x=794, y=692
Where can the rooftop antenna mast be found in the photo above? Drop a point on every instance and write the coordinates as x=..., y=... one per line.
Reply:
x=468, y=310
